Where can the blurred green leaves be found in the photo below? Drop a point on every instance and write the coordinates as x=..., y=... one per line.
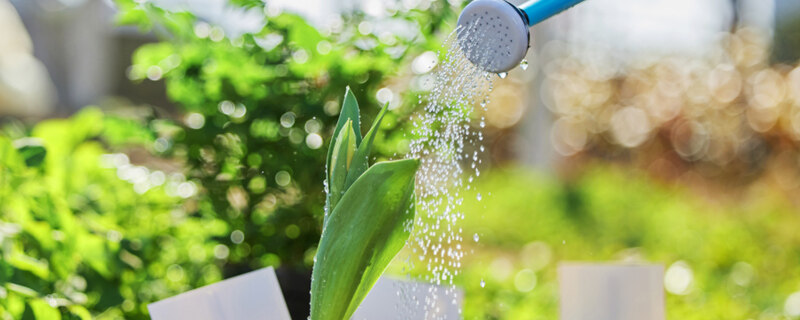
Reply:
x=75, y=237
x=257, y=107
x=530, y=222
x=92, y=224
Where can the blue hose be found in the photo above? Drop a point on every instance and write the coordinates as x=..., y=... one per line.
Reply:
x=540, y=10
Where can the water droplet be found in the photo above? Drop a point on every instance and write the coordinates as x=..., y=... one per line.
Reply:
x=524, y=64
x=479, y=196
x=502, y=75
x=483, y=283
x=447, y=138
x=476, y=237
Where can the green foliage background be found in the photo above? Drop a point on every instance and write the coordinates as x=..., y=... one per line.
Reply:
x=78, y=242
x=284, y=94
x=529, y=222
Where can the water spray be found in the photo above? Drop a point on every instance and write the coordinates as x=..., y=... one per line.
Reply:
x=494, y=34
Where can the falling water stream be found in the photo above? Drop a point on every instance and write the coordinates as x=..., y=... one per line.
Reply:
x=448, y=141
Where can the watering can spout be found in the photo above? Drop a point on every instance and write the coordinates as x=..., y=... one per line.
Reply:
x=540, y=10
x=494, y=34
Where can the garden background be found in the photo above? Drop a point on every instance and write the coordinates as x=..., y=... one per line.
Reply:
x=152, y=147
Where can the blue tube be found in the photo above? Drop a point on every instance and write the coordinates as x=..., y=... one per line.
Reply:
x=540, y=10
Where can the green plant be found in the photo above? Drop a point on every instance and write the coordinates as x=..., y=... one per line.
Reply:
x=259, y=106
x=78, y=242
x=371, y=212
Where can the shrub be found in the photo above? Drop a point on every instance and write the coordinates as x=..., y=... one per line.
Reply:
x=79, y=242
x=258, y=109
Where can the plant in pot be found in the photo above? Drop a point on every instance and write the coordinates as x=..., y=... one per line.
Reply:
x=369, y=213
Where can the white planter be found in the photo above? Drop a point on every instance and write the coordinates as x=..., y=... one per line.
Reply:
x=383, y=302
x=611, y=292
x=251, y=296
x=257, y=296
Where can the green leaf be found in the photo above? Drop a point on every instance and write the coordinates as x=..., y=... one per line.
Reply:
x=361, y=158
x=80, y=312
x=35, y=266
x=14, y=305
x=31, y=150
x=10, y=158
x=349, y=112
x=364, y=232
x=34, y=155
x=94, y=252
x=343, y=153
x=43, y=311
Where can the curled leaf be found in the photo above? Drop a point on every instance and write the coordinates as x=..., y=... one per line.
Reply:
x=361, y=158
x=362, y=235
x=349, y=112
x=343, y=152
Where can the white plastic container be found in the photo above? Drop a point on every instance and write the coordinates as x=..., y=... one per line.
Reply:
x=611, y=292
x=252, y=296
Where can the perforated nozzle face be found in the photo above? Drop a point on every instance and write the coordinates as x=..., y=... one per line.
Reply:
x=493, y=34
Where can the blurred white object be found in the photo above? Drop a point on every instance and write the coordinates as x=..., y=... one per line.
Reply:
x=14, y=36
x=611, y=292
x=255, y=295
x=399, y=299
x=25, y=86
